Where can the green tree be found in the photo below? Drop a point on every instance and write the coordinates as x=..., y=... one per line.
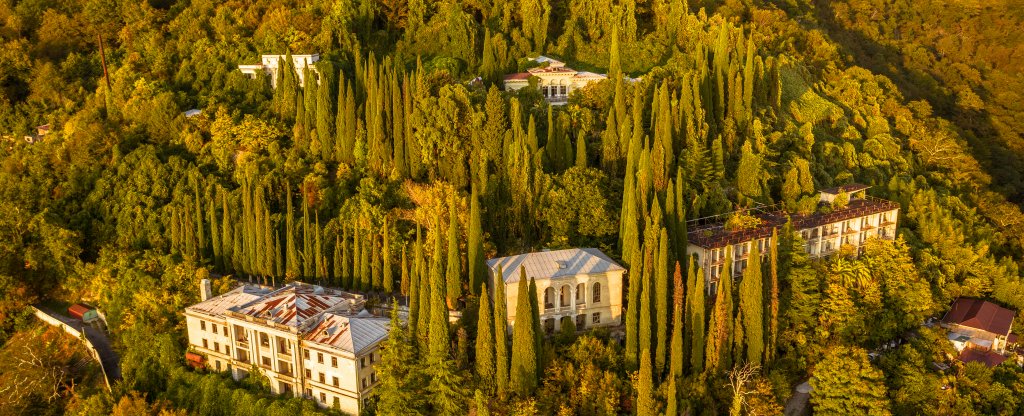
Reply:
x=751, y=306
x=438, y=335
x=661, y=304
x=485, y=340
x=523, y=370
x=454, y=272
x=400, y=377
x=646, y=404
x=501, y=353
x=717, y=353
x=475, y=245
x=389, y=281
x=677, y=353
x=845, y=383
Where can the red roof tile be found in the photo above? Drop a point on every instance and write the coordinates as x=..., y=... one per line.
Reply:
x=980, y=314
x=977, y=355
x=517, y=76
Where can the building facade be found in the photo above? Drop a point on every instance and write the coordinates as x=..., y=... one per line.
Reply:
x=582, y=284
x=309, y=341
x=846, y=216
x=555, y=80
x=269, y=65
x=978, y=324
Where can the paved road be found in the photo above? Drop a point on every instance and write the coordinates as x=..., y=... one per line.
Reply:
x=798, y=403
x=109, y=359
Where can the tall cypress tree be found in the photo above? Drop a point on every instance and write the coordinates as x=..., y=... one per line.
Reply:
x=523, y=371
x=661, y=304
x=438, y=336
x=414, y=306
x=292, y=254
x=646, y=405
x=695, y=316
x=425, y=299
x=676, y=350
x=475, y=246
x=346, y=262
x=365, y=263
x=214, y=229
x=720, y=335
x=501, y=364
x=453, y=272
x=325, y=111
x=646, y=331
x=633, y=311
x=337, y=262
x=752, y=306
x=389, y=281
x=538, y=333
x=581, y=151
x=226, y=239
x=403, y=286
x=376, y=278
x=773, y=296
x=485, y=340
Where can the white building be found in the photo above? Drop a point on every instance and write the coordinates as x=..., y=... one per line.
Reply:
x=580, y=283
x=269, y=65
x=555, y=80
x=824, y=231
x=308, y=341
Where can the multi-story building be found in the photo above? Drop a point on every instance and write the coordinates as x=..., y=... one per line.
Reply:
x=846, y=216
x=269, y=65
x=554, y=79
x=307, y=340
x=580, y=283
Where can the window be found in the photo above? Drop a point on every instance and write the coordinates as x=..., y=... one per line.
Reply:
x=373, y=358
x=204, y=343
x=581, y=293
x=334, y=362
x=335, y=382
x=364, y=382
x=305, y=353
x=309, y=374
x=373, y=377
x=217, y=364
x=320, y=357
x=362, y=362
x=337, y=402
x=309, y=393
x=322, y=378
x=214, y=328
x=266, y=361
x=323, y=398
x=596, y=317
x=227, y=349
x=225, y=330
x=264, y=340
x=202, y=325
x=597, y=292
x=216, y=346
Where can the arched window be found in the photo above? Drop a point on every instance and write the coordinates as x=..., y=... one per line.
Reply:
x=597, y=292
x=581, y=293
x=563, y=299
x=549, y=293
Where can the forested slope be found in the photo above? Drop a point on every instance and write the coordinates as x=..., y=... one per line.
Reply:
x=401, y=171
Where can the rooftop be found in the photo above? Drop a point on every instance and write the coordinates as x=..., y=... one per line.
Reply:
x=980, y=314
x=295, y=303
x=710, y=232
x=978, y=355
x=848, y=188
x=554, y=264
x=347, y=332
x=219, y=305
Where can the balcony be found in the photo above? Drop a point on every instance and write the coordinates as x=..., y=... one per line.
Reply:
x=242, y=344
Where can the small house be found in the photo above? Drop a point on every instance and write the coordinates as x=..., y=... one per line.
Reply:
x=975, y=323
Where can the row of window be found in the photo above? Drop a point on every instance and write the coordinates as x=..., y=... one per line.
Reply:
x=581, y=290
x=202, y=327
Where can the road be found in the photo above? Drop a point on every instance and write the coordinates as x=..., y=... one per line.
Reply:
x=109, y=359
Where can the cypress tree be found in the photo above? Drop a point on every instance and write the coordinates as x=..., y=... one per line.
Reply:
x=523, y=371
x=438, y=335
x=614, y=65
x=538, y=334
x=389, y=281
x=501, y=364
x=365, y=265
x=399, y=375
x=346, y=264
x=581, y=151
x=485, y=340
x=718, y=353
x=646, y=405
x=200, y=227
x=307, y=242
x=218, y=259
x=226, y=239
x=376, y=279
x=752, y=306
x=404, y=283
x=309, y=93
x=289, y=87
x=475, y=246
x=336, y=277
x=237, y=247
x=414, y=305
x=671, y=398
x=273, y=244
x=633, y=311
x=320, y=262
x=425, y=299
x=292, y=256
x=773, y=296
x=453, y=275
x=676, y=349
x=695, y=316
x=646, y=331
x=325, y=112
x=661, y=304
x=278, y=262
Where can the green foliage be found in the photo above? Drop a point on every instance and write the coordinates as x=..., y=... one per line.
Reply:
x=845, y=383
x=523, y=369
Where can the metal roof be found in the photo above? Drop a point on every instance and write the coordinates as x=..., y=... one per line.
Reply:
x=848, y=188
x=351, y=333
x=218, y=305
x=294, y=304
x=554, y=264
x=980, y=314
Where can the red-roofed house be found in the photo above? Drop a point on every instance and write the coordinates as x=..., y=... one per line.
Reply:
x=979, y=355
x=978, y=323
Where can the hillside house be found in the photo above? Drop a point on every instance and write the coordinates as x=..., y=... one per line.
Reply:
x=580, y=283
x=555, y=80
x=978, y=324
x=269, y=65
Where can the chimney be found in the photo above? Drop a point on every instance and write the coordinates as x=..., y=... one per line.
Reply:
x=205, y=290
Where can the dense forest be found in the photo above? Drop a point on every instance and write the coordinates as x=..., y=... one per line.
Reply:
x=407, y=165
